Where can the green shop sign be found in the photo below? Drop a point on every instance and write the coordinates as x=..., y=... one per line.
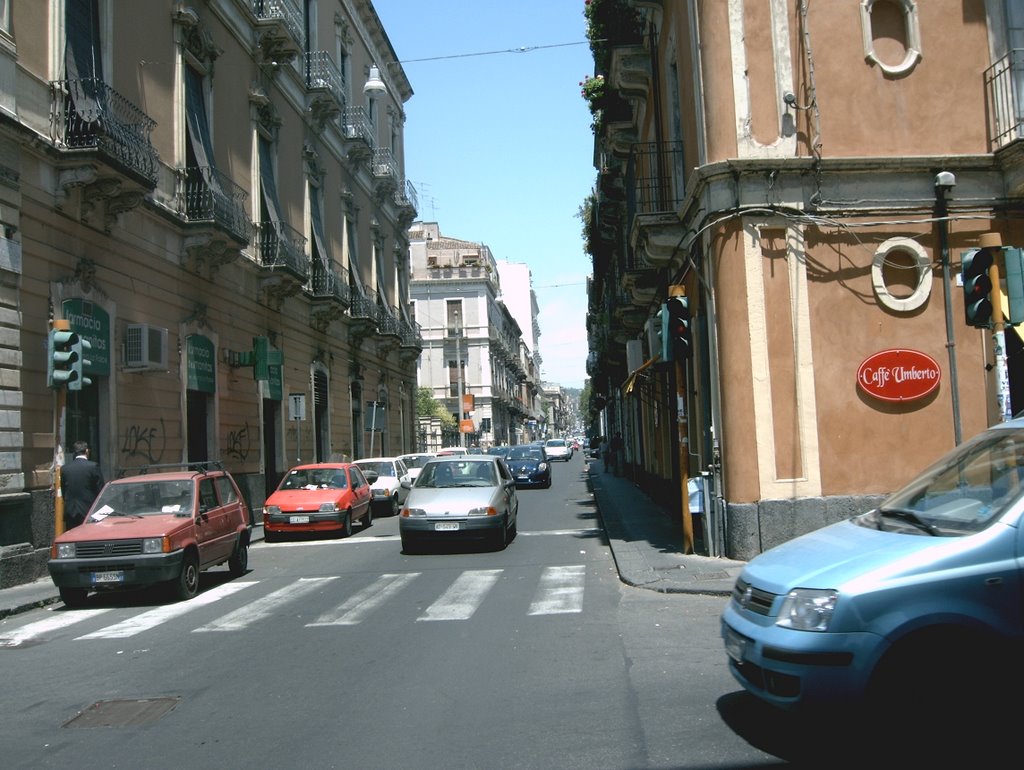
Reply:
x=201, y=373
x=92, y=324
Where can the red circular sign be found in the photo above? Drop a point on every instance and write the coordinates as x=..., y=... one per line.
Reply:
x=898, y=375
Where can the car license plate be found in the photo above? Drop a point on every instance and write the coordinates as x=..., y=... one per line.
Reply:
x=734, y=645
x=446, y=526
x=113, y=576
x=298, y=519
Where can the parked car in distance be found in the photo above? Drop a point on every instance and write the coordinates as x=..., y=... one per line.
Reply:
x=414, y=462
x=318, y=497
x=472, y=496
x=912, y=609
x=448, y=451
x=154, y=528
x=529, y=466
x=558, y=449
x=388, y=494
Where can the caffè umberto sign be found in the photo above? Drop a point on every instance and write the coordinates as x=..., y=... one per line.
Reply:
x=898, y=374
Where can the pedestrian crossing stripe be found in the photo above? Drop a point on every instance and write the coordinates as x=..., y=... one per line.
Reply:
x=559, y=591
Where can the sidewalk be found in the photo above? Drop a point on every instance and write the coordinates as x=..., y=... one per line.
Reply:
x=645, y=543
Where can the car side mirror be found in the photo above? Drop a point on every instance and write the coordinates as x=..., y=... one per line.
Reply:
x=406, y=484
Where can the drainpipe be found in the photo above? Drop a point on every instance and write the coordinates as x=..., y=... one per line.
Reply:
x=944, y=183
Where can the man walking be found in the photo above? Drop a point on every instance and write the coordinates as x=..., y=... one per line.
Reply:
x=80, y=481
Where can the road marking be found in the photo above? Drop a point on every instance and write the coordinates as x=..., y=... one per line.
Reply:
x=155, y=617
x=41, y=627
x=560, y=591
x=357, y=540
x=462, y=598
x=265, y=607
x=361, y=604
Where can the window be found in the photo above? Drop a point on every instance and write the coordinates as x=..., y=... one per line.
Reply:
x=901, y=274
x=892, y=39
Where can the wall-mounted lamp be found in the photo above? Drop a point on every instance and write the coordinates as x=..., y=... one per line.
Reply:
x=374, y=85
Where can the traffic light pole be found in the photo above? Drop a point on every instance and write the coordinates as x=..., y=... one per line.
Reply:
x=999, y=349
x=684, y=439
x=58, y=441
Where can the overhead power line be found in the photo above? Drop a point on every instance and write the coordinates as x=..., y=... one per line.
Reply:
x=521, y=49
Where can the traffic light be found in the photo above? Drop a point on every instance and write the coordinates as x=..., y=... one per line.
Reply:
x=678, y=334
x=79, y=349
x=61, y=355
x=661, y=326
x=1014, y=260
x=974, y=265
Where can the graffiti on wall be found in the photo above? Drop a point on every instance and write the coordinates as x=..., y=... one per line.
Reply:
x=141, y=442
x=239, y=444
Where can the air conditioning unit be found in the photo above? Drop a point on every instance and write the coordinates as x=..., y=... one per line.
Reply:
x=145, y=347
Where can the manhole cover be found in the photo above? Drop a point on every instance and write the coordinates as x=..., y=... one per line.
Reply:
x=123, y=713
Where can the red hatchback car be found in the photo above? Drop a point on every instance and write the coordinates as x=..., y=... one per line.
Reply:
x=320, y=497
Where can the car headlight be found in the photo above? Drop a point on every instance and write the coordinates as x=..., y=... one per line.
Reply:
x=542, y=466
x=407, y=512
x=808, y=609
x=152, y=544
x=489, y=510
x=381, y=493
x=273, y=510
x=328, y=507
x=64, y=550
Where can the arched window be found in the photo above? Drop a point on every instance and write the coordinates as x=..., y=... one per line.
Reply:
x=892, y=37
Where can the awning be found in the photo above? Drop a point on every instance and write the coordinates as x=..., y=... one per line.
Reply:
x=630, y=382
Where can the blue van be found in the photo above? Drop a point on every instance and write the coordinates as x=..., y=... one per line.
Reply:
x=915, y=605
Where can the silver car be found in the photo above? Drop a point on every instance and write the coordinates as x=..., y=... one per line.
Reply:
x=467, y=496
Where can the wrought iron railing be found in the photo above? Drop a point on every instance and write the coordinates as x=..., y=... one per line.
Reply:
x=384, y=164
x=406, y=195
x=364, y=305
x=282, y=247
x=89, y=114
x=1004, y=83
x=207, y=195
x=329, y=283
x=356, y=124
x=387, y=321
x=323, y=74
x=654, y=178
x=287, y=11
x=412, y=336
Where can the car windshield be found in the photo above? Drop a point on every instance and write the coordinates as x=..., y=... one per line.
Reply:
x=145, y=498
x=381, y=468
x=441, y=475
x=315, y=478
x=525, y=453
x=962, y=493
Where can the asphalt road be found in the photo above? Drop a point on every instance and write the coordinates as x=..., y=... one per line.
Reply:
x=350, y=654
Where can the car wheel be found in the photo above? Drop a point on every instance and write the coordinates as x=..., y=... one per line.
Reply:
x=239, y=561
x=501, y=536
x=395, y=507
x=187, y=584
x=73, y=597
x=512, y=531
x=368, y=517
x=346, y=524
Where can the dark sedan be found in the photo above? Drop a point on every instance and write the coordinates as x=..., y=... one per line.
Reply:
x=529, y=466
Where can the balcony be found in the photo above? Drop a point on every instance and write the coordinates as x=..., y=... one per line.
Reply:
x=358, y=133
x=654, y=193
x=329, y=296
x=1004, y=87
x=213, y=210
x=107, y=158
x=412, y=338
x=385, y=171
x=279, y=30
x=281, y=252
x=325, y=88
x=407, y=202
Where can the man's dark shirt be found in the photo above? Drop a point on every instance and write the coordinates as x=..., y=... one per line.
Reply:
x=80, y=482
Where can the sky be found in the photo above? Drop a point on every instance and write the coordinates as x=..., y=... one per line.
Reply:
x=499, y=147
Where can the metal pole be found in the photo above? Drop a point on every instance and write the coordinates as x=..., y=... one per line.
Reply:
x=458, y=365
x=954, y=387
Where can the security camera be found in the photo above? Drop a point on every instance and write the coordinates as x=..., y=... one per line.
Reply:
x=945, y=180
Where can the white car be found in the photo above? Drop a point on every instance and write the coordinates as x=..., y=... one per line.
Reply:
x=414, y=462
x=558, y=449
x=388, y=492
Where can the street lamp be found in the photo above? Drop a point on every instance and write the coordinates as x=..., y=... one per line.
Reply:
x=458, y=366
